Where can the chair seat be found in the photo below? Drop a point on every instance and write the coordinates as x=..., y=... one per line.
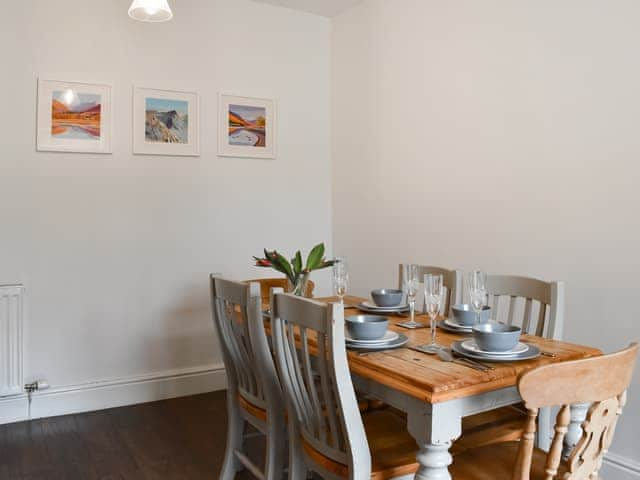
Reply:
x=261, y=413
x=496, y=462
x=393, y=450
x=495, y=426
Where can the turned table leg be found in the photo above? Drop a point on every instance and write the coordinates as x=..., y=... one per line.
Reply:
x=434, y=427
x=574, y=432
x=434, y=462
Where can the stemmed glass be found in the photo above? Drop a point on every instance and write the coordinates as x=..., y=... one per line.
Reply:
x=410, y=284
x=478, y=292
x=340, y=278
x=433, y=293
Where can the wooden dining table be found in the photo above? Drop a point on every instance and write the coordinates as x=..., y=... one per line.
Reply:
x=436, y=395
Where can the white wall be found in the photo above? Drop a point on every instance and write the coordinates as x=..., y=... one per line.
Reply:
x=115, y=250
x=500, y=135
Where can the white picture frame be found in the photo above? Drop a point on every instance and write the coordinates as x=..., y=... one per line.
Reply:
x=234, y=139
x=154, y=111
x=74, y=117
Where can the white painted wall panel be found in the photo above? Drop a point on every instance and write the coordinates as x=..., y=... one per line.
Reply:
x=498, y=135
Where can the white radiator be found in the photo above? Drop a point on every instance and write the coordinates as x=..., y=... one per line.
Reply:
x=11, y=318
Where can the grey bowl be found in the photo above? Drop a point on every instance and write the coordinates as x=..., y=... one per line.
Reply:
x=387, y=297
x=367, y=327
x=463, y=314
x=496, y=337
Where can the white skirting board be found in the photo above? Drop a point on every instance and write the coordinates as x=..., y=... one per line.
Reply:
x=114, y=393
x=617, y=467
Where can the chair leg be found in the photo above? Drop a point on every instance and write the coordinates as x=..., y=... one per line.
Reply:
x=235, y=439
x=297, y=468
x=276, y=445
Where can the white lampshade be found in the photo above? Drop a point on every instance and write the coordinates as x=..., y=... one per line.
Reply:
x=150, y=10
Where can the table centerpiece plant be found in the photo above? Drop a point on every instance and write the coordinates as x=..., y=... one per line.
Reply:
x=296, y=273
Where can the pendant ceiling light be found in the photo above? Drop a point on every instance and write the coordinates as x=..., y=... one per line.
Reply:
x=150, y=10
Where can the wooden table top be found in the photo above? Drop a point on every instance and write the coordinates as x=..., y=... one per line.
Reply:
x=430, y=379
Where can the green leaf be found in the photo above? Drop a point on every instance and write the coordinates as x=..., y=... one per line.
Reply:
x=315, y=257
x=286, y=266
x=297, y=262
x=328, y=263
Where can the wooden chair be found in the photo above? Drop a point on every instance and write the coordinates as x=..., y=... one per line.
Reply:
x=451, y=279
x=327, y=433
x=600, y=381
x=253, y=392
x=266, y=284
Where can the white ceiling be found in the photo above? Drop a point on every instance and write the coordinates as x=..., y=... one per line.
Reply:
x=326, y=8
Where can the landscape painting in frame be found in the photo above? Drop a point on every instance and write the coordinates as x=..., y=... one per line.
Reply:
x=247, y=127
x=74, y=117
x=165, y=122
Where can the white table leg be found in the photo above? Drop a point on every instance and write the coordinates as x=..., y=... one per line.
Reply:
x=574, y=432
x=434, y=427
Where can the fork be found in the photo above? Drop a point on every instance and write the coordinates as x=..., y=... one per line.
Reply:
x=470, y=361
x=446, y=356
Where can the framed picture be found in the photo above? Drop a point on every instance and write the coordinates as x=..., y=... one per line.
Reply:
x=247, y=127
x=74, y=117
x=165, y=122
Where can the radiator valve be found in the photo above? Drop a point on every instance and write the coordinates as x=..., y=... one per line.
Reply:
x=36, y=386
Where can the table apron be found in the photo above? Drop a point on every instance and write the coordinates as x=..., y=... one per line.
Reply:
x=464, y=406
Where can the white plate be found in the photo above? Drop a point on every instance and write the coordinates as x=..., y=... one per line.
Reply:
x=532, y=352
x=389, y=336
x=470, y=346
x=398, y=342
x=460, y=331
x=372, y=306
x=453, y=324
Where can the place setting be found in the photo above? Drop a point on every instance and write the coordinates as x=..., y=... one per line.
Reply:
x=491, y=340
x=496, y=342
x=385, y=301
x=370, y=333
x=463, y=319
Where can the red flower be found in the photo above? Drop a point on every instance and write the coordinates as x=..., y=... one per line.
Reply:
x=262, y=262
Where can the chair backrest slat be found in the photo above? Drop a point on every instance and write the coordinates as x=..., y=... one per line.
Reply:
x=543, y=310
x=310, y=379
x=600, y=381
x=526, y=317
x=512, y=309
x=320, y=396
x=335, y=435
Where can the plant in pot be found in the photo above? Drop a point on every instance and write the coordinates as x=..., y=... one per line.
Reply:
x=295, y=271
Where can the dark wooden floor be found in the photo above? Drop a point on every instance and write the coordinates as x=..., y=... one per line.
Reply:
x=174, y=439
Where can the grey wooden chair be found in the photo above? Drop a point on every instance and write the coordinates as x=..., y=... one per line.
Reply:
x=328, y=435
x=451, y=279
x=253, y=393
x=538, y=308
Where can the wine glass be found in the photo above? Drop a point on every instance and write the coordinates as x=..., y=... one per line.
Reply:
x=340, y=278
x=478, y=292
x=410, y=284
x=433, y=293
